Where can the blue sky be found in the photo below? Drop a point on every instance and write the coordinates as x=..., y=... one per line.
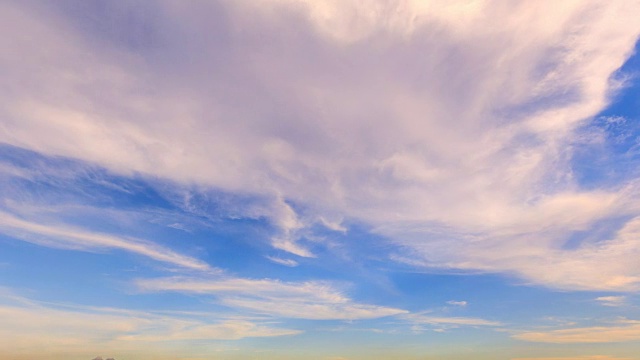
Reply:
x=286, y=179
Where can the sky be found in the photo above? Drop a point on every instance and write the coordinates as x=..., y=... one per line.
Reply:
x=323, y=180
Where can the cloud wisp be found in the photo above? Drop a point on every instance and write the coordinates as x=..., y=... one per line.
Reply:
x=75, y=329
x=622, y=331
x=281, y=261
x=304, y=300
x=457, y=303
x=450, y=321
x=67, y=237
x=612, y=301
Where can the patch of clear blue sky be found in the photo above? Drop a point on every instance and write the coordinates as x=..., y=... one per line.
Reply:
x=615, y=160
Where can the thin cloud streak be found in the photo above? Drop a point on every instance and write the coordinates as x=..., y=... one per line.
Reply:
x=78, y=329
x=627, y=330
x=281, y=261
x=304, y=300
x=77, y=239
x=612, y=301
x=457, y=303
x=448, y=320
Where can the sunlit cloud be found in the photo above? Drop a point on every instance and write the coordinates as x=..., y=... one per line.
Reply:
x=613, y=301
x=305, y=300
x=379, y=145
x=457, y=303
x=498, y=183
x=626, y=330
x=67, y=237
x=80, y=329
x=429, y=319
x=281, y=261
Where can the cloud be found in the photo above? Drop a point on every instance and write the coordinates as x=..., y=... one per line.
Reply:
x=612, y=300
x=422, y=321
x=627, y=330
x=281, y=261
x=448, y=135
x=77, y=329
x=304, y=300
x=225, y=330
x=444, y=320
x=457, y=303
x=286, y=219
x=67, y=237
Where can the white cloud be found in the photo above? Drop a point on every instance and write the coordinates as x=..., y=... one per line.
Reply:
x=450, y=137
x=613, y=301
x=445, y=320
x=305, y=300
x=76, y=329
x=457, y=303
x=281, y=261
x=67, y=237
x=626, y=330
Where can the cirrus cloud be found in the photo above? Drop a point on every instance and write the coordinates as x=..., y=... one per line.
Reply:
x=451, y=138
x=304, y=300
x=625, y=330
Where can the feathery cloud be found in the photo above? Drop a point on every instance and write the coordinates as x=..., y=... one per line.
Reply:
x=281, y=261
x=305, y=300
x=455, y=142
x=613, y=301
x=457, y=303
x=419, y=318
x=78, y=239
x=80, y=329
x=626, y=330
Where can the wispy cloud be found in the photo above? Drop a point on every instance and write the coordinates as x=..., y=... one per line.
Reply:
x=281, y=261
x=447, y=138
x=624, y=330
x=612, y=301
x=498, y=183
x=306, y=300
x=457, y=303
x=76, y=329
x=427, y=319
x=68, y=237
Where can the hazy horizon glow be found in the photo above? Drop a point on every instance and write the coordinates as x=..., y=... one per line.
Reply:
x=335, y=180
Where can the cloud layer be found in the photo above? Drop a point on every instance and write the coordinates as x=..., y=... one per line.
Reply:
x=357, y=144
x=447, y=134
